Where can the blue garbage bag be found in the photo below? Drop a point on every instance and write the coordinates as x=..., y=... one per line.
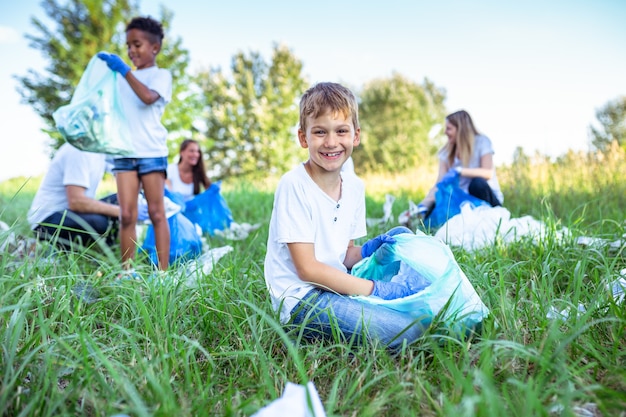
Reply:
x=176, y=198
x=209, y=210
x=185, y=243
x=445, y=291
x=448, y=200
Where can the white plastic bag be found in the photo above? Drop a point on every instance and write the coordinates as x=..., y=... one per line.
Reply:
x=447, y=291
x=94, y=119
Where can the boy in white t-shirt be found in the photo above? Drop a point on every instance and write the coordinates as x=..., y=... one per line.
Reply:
x=317, y=214
x=145, y=92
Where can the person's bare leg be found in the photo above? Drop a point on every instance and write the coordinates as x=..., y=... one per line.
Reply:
x=153, y=188
x=127, y=193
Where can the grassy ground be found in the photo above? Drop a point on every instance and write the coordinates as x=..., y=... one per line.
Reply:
x=217, y=349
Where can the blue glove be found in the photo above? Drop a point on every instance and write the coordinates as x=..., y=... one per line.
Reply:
x=371, y=245
x=422, y=211
x=390, y=290
x=452, y=174
x=114, y=62
x=142, y=212
x=414, y=281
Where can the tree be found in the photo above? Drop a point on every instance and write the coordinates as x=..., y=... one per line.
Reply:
x=84, y=28
x=612, y=118
x=251, y=117
x=397, y=117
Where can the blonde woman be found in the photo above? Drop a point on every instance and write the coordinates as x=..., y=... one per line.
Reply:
x=468, y=154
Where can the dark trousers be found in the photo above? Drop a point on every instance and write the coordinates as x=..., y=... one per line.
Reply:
x=480, y=188
x=65, y=227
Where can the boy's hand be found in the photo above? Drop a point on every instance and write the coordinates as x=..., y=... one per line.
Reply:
x=371, y=245
x=115, y=63
x=390, y=290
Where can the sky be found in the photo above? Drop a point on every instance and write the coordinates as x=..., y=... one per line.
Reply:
x=531, y=74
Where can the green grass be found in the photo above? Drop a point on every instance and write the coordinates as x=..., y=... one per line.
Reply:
x=217, y=348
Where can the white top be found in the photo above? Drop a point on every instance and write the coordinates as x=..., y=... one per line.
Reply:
x=304, y=213
x=144, y=120
x=69, y=166
x=482, y=146
x=178, y=186
x=348, y=166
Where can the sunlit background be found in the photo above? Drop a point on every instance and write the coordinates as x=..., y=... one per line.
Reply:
x=531, y=74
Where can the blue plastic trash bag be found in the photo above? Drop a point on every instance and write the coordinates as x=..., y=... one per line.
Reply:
x=176, y=198
x=94, y=120
x=209, y=210
x=185, y=243
x=448, y=200
x=442, y=288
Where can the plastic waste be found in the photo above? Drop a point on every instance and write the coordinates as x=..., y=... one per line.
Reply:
x=94, y=120
x=442, y=288
x=185, y=243
x=296, y=401
x=209, y=210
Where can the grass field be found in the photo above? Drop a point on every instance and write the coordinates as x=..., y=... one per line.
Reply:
x=217, y=349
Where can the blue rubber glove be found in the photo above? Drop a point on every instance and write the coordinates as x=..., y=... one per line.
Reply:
x=452, y=174
x=142, y=212
x=371, y=245
x=414, y=281
x=115, y=63
x=390, y=290
x=422, y=211
x=399, y=230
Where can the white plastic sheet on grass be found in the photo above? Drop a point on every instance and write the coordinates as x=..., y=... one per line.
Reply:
x=294, y=403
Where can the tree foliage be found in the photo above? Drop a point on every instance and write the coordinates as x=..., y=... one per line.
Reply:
x=82, y=29
x=250, y=117
x=397, y=117
x=612, y=119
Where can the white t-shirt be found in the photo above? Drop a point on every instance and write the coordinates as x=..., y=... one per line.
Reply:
x=482, y=146
x=70, y=166
x=144, y=120
x=178, y=186
x=303, y=213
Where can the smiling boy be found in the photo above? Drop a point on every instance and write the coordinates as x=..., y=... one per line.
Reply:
x=318, y=212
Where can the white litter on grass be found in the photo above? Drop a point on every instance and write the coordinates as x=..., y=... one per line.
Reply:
x=387, y=212
x=600, y=243
x=564, y=314
x=477, y=227
x=406, y=216
x=584, y=410
x=16, y=246
x=237, y=231
x=294, y=403
x=197, y=268
x=618, y=287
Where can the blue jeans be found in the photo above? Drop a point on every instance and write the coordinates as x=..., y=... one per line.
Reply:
x=325, y=315
x=143, y=166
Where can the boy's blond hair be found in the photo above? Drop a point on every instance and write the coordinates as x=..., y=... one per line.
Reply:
x=323, y=97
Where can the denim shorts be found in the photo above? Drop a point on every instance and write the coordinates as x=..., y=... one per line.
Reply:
x=143, y=166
